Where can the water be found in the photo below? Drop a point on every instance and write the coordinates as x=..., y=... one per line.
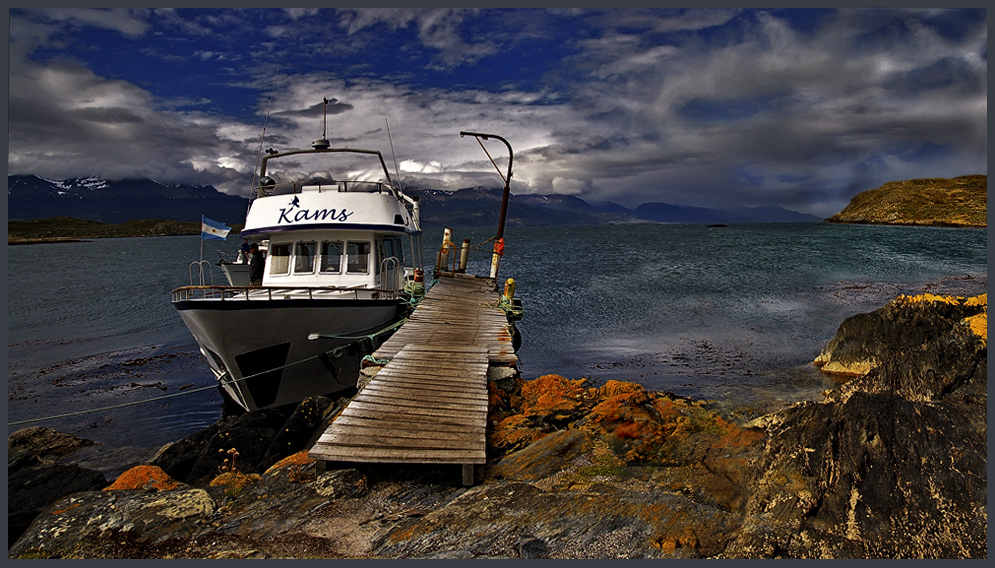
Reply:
x=735, y=314
x=732, y=314
x=90, y=325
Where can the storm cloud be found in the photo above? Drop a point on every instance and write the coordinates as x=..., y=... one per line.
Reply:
x=797, y=108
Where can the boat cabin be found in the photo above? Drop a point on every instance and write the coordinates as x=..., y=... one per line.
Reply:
x=342, y=259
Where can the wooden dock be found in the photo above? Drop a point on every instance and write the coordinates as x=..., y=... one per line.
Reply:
x=428, y=404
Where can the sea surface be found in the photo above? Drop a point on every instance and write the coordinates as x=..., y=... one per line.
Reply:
x=733, y=315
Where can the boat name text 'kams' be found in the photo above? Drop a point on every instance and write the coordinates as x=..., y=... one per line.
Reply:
x=288, y=215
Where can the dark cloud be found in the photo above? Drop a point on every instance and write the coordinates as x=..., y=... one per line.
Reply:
x=799, y=108
x=333, y=107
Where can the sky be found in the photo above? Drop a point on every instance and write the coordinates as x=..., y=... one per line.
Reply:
x=722, y=108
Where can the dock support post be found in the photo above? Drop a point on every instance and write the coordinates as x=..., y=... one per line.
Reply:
x=464, y=255
x=468, y=474
x=442, y=262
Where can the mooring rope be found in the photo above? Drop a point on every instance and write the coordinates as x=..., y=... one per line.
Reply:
x=338, y=349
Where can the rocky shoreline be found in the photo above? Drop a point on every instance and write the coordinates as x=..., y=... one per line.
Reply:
x=892, y=464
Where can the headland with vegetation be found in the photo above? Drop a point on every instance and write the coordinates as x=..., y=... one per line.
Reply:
x=69, y=229
x=957, y=202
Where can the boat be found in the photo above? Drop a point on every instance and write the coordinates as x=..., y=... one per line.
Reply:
x=340, y=274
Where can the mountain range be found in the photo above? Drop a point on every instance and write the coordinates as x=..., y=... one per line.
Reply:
x=31, y=197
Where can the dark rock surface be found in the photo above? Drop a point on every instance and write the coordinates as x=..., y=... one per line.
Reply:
x=34, y=480
x=893, y=464
x=262, y=438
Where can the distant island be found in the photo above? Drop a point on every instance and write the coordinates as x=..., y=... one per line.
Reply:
x=68, y=229
x=958, y=202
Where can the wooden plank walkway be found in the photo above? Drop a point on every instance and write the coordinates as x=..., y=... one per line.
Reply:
x=429, y=403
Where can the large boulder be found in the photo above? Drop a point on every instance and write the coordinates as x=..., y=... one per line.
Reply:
x=893, y=464
x=907, y=325
x=141, y=517
x=164, y=519
x=261, y=438
x=46, y=443
x=300, y=430
x=30, y=489
x=34, y=479
x=514, y=519
x=553, y=423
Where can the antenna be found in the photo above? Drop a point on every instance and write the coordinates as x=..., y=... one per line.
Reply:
x=323, y=143
x=397, y=171
x=324, y=125
x=263, y=137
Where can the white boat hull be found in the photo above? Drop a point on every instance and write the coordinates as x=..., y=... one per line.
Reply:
x=261, y=353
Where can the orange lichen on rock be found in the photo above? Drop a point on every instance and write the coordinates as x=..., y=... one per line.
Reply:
x=494, y=397
x=978, y=324
x=981, y=300
x=927, y=298
x=235, y=480
x=143, y=477
x=671, y=544
x=513, y=433
x=551, y=395
x=628, y=430
x=732, y=436
x=613, y=388
x=69, y=508
x=293, y=460
x=643, y=420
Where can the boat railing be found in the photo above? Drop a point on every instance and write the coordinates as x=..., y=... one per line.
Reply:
x=200, y=269
x=266, y=189
x=391, y=274
x=258, y=293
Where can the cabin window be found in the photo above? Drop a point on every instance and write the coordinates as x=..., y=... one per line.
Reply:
x=359, y=256
x=304, y=257
x=279, y=259
x=396, y=249
x=331, y=257
x=389, y=248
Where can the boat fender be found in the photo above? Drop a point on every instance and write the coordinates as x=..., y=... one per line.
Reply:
x=509, y=290
x=415, y=289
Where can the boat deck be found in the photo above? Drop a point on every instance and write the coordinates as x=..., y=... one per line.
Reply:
x=428, y=404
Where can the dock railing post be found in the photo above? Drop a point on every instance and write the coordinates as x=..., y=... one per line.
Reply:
x=464, y=256
x=442, y=261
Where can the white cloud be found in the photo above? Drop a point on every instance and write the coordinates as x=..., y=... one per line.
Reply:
x=806, y=114
x=130, y=21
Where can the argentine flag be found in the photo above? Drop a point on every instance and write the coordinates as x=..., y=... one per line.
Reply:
x=210, y=229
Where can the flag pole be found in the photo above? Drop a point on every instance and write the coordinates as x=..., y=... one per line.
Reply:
x=201, y=263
